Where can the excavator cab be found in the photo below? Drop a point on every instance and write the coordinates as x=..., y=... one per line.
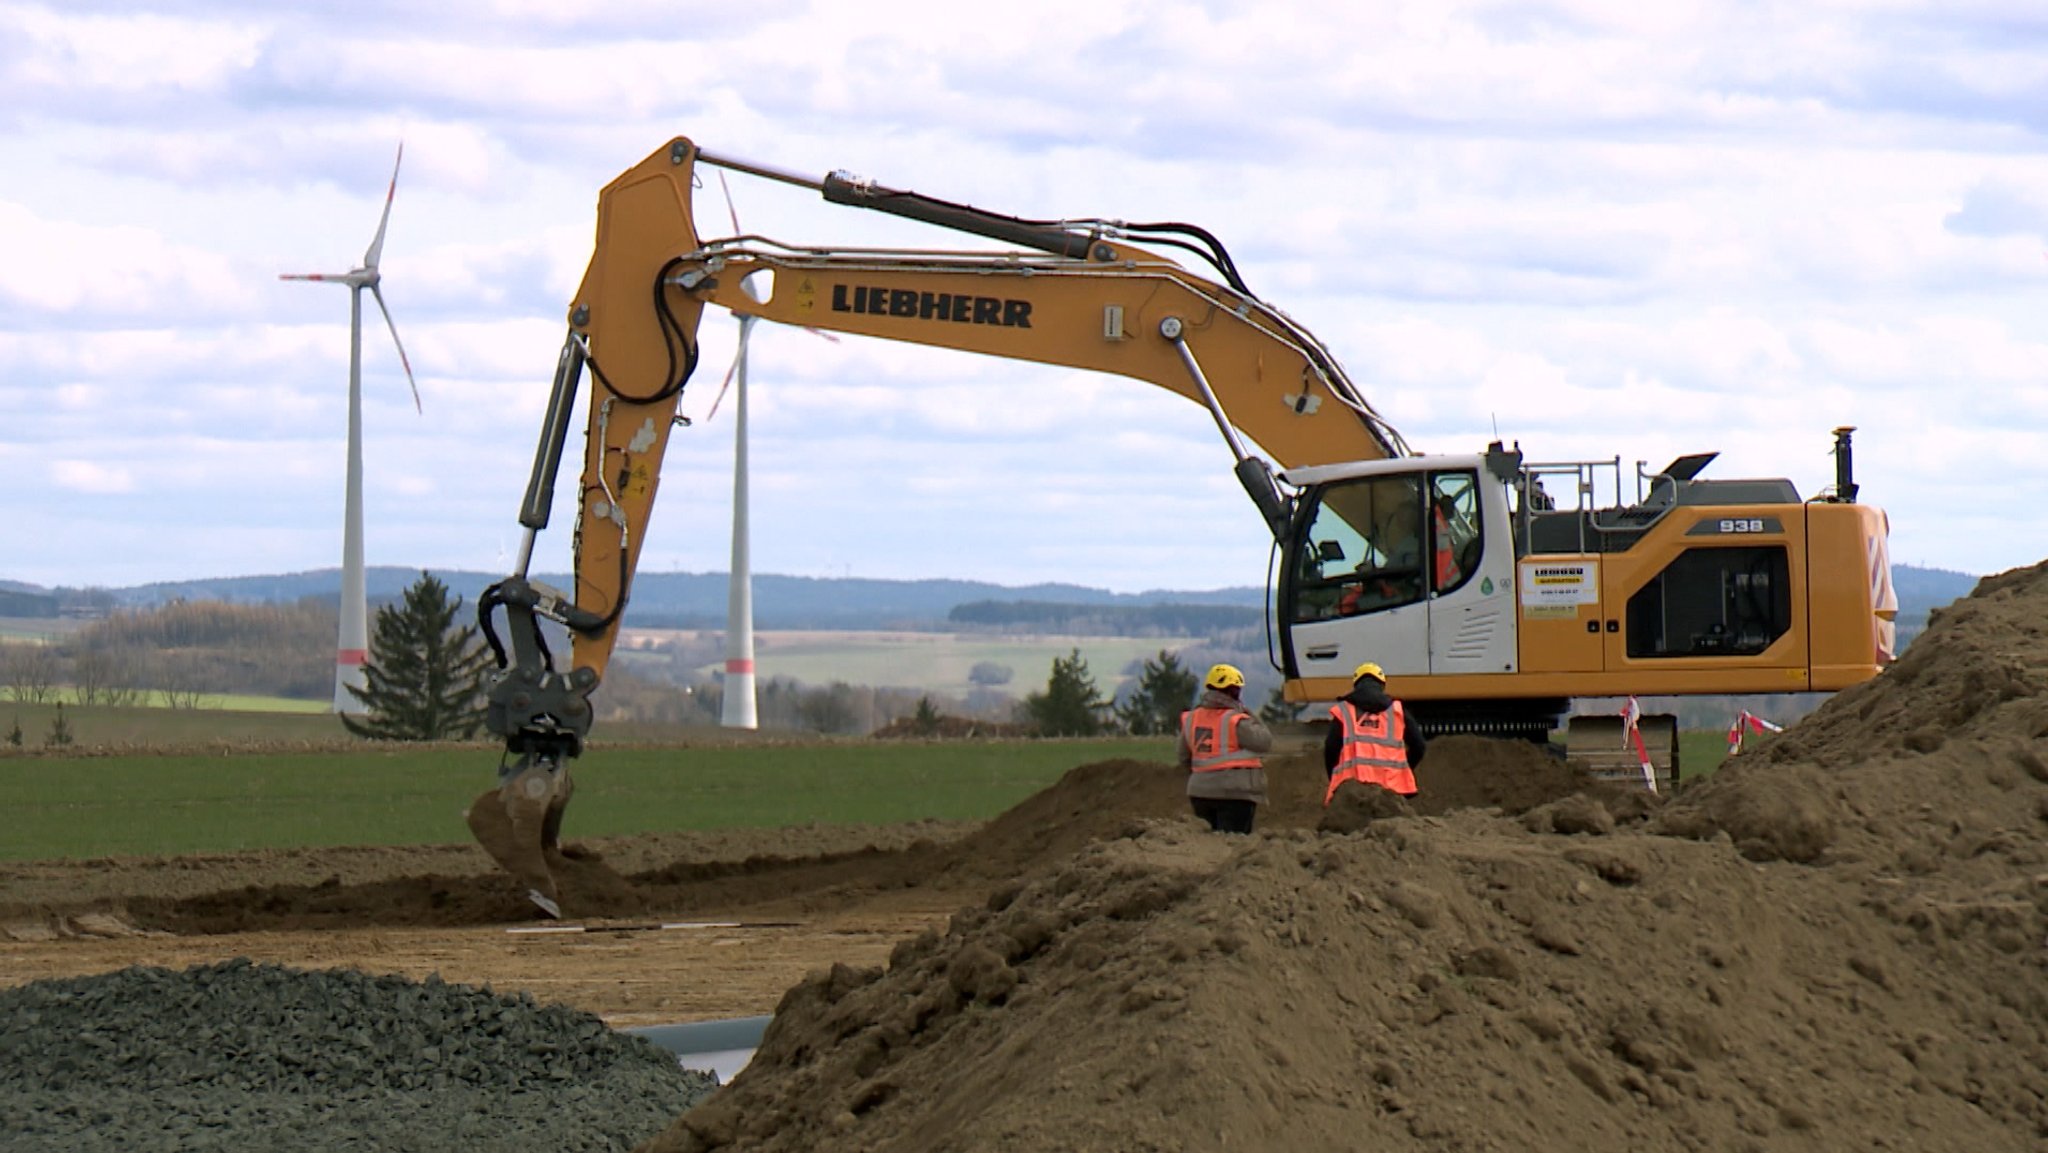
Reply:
x=1408, y=563
x=1520, y=600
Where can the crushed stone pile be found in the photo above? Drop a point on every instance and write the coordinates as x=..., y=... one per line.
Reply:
x=1837, y=942
x=245, y=1057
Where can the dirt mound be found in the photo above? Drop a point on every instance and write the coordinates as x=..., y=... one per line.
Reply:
x=1979, y=671
x=1461, y=983
x=1842, y=945
x=1927, y=761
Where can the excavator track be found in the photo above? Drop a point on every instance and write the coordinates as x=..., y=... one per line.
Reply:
x=1602, y=744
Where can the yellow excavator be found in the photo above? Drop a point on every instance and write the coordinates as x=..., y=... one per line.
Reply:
x=1492, y=589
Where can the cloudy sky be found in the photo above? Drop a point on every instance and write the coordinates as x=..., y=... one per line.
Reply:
x=1598, y=228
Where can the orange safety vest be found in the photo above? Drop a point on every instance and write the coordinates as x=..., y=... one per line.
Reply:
x=1447, y=573
x=1211, y=734
x=1373, y=751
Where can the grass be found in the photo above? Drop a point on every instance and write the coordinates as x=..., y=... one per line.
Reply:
x=74, y=807
x=1699, y=754
x=284, y=779
x=264, y=720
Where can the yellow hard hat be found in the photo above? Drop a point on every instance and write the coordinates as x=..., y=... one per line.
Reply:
x=1369, y=669
x=1223, y=677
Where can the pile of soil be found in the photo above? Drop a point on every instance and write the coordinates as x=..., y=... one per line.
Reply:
x=1838, y=942
x=240, y=1056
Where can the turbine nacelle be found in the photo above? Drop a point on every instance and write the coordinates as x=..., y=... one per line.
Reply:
x=367, y=276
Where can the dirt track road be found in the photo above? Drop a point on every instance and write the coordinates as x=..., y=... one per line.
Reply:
x=628, y=978
x=64, y=919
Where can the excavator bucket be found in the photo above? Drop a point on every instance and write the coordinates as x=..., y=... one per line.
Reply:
x=520, y=825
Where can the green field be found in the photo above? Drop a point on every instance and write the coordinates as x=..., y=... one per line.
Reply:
x=261, y=719
x=216, y=780
x=934, y=662
x=91, y=806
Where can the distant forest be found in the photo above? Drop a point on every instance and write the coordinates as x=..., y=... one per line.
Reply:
x=698, y=600
x=1047, y=618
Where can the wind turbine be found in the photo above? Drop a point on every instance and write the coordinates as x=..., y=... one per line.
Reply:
x=353, y=645
x=740, y=709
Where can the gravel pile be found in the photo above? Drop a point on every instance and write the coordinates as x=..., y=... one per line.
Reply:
x=239, y=1056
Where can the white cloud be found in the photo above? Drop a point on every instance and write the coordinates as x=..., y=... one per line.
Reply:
x=127, y=53
x=90, y=476
x=1602, y=229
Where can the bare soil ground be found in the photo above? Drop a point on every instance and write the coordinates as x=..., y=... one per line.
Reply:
x=749, y=912
x=443, y=909
x=1838, y=942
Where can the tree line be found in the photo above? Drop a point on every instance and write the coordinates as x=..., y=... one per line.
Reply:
x=181, y=653
x=428, y=667
x=1161, y=620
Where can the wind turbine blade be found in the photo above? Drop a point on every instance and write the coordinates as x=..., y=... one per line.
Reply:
x=736, y=230
x=312, y=276
x=730, y=370
x=379, y=294
x=729, y=209
x=377, y=246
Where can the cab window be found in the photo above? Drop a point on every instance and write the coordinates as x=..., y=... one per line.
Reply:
x=1363, y=550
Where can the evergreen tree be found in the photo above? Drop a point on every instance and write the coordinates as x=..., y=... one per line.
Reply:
x=424, y=678
x=926, y=721
x=1278, y=709
x=1071, y=705
x=60, y=730
x=1165, y=690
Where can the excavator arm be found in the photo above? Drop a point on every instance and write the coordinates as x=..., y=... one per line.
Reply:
x=1079, y=295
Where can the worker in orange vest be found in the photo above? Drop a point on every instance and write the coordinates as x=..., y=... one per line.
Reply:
x=1220, y=743
x=1371, y=739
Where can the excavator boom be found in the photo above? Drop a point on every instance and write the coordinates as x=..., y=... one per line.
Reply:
x=1502, y=610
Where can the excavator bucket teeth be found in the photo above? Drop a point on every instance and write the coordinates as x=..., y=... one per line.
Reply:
x=514, y=824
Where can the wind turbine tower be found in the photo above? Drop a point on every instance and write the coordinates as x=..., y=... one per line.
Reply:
x=740, y=703
x=740, y=709
x=353, y=645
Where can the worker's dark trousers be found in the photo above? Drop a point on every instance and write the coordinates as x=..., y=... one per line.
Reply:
x=1226, y=816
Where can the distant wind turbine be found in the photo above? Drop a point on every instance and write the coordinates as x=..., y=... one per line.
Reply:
x=740, y=709
x=352, y=648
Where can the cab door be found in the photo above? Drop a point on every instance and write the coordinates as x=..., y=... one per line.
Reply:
x=1472, y=576
x=1560, y=621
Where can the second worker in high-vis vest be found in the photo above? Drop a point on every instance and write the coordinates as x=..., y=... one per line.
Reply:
x=1220, y=743
x=1371, y=740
